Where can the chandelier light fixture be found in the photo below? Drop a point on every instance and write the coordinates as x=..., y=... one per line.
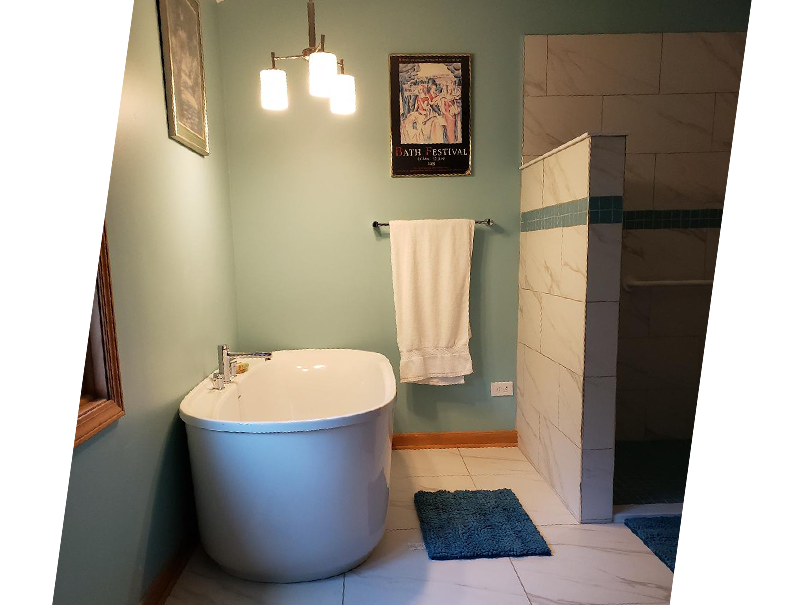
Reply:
x=326, y=77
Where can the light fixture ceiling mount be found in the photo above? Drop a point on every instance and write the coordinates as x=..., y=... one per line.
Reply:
x=326, y=77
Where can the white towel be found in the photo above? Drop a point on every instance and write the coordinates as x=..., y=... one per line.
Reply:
x=430, y=272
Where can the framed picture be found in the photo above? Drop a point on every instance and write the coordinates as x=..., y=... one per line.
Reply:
x=184, y=74
x=430, y=115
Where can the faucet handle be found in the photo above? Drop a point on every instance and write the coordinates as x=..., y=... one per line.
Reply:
x=217, y=381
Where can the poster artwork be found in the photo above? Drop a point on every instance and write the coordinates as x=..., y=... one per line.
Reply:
x=430, y=115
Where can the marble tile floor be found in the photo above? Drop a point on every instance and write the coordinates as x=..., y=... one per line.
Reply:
x=591, y=564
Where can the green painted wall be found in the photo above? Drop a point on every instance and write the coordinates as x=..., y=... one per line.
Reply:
x=305, y=184
x=169, y=228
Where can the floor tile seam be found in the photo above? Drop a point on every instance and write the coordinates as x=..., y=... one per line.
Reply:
x=516, y=573
x=503, y=460
x=506, y=460
x=446, y=582
x=538, y=524
x=532, y=472
x=631, y=550
x=464, y=462
x=427, y=476
x=508, y=474
x=192, y=572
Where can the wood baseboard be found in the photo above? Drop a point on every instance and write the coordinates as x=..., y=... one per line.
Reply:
x=418, y=441
x=162, y=586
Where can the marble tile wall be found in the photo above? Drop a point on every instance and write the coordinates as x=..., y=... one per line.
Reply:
x=662, y=332
x=675, y=96
x=669, y=92
x=568, y=313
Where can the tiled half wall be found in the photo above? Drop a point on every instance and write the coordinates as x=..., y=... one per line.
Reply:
x=569, y=275
x=675, y=95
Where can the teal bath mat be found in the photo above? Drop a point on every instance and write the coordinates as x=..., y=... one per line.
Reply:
x=476, y=524
x=659, y=534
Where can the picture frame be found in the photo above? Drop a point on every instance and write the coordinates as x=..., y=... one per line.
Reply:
x=430, y=114
x=184, y=73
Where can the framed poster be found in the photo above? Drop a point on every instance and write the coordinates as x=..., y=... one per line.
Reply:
x=184, y=73
x=430, y=115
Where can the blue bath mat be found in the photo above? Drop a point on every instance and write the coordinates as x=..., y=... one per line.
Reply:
x=659, y=534
x=476, y=524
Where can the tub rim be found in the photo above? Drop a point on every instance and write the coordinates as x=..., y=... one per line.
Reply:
x=286, y=426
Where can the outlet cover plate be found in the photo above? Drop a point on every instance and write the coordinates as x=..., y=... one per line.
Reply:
x=502, y=389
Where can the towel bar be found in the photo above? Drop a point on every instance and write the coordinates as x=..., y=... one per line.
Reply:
x=488, y=222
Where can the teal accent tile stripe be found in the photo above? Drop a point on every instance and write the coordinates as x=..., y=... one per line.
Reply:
x=605, y=209
x=672, y=219
x=596, y=209
x=567, y=214
x=608, y=209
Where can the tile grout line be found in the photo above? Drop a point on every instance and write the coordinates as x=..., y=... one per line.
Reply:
x=686, y=152
x=516, y=573
x=344, y=575
x=469, y=473
x=431, y=476
x=714, y=122
x=546, y=61
x=595, y=95
x=660, y=62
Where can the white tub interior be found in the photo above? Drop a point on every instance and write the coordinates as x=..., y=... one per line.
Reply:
x=296, y=390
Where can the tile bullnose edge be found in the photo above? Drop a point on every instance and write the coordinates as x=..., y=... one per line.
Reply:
x=570, y=143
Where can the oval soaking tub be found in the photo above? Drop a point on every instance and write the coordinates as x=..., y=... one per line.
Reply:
x=291, y=463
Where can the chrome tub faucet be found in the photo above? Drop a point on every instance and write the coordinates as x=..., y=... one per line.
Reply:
x=227, y=364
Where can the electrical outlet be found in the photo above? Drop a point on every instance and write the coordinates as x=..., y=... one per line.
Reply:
x=502, y=389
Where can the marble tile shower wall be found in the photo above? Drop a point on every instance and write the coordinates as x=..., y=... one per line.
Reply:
x=568, y=308
x=675, y=96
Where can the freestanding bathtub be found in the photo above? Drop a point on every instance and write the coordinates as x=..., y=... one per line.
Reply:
x=291, y=463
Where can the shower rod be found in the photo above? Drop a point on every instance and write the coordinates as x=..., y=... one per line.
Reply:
x=488, y=222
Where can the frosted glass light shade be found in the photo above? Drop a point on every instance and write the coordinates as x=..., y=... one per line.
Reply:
x=343, y=95
x=274, y=92
x=321, y=73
